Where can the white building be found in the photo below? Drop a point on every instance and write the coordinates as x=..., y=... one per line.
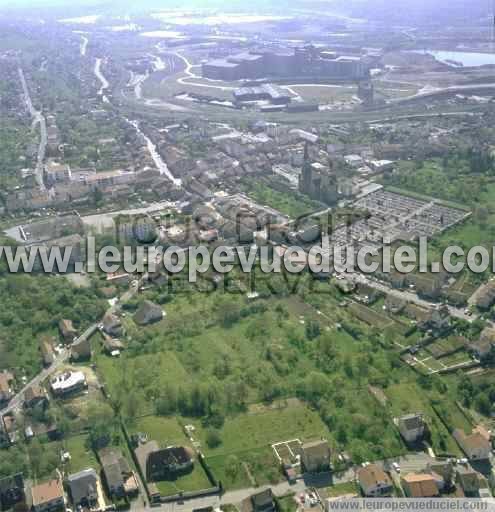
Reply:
x=411, y=427
x=68, y=382
x=354, y=160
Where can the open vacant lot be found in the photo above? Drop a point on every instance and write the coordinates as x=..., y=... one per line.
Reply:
x=247, y=439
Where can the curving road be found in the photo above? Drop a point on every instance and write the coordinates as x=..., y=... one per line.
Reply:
x=185, y=80
x=104, y=82
x=84, y=46
x=426, y=93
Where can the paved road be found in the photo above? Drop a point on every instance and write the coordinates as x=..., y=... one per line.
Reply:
x=38, y=118
x=18, y=400
x=408, y=296
x=104, y=82
x=84, y=46
x=157, y=159
x=186, y=80
x=454, y=89
x=408, y=463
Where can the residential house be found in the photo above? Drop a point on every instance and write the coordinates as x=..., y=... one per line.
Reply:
x=420, y=485
x=57, y=172
x=354, y=160
x=484, y=491
x=11, y=428
x=315, y=456
x=47, y=351
x=438, y=320
x=159, y=464
x=48, y=497
x=83, y=488
x=366, y=294
x=469, y=480
x=374, y=482
x=491, y=477
x=443, y=471
x=119, y=478
x=112, y=325
x=4, y=437
x=12, y=491
x=345, y=285
x=485, y=296
x=173, y=460
x=68, y=383
x=67, y=331
x=394, y=304
x=81, y=350
x=6, y=386
x=416, y=313
x=475, y=445
x=148, y=313
x=484, y=346
x=427, y=286
x=263, y=501
x=35, y=396
x=487, y=434
x=116, y=278
x=48, y=430
x=411, y=427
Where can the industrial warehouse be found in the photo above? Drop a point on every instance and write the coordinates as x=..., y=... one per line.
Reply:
x=269, y=92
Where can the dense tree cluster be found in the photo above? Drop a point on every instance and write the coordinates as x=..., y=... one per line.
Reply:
x=32, y=306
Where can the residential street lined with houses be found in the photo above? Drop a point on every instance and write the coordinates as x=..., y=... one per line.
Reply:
x=38, y=118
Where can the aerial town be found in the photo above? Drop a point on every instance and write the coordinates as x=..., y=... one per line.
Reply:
x=157, y=127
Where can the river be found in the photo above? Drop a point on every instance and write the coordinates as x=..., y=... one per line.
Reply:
x=460, y=59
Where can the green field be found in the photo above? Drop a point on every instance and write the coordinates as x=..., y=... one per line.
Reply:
x=81, y=456
x=340, y=490
x=194, y=481
x=267, y=427
x=325, y=93
x=166, y=431
x=287, y=504
x=290, y=203
x=219, y=362
x=247, y=439
x=445, y=346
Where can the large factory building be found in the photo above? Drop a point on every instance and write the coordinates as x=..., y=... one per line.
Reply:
x=304, y=62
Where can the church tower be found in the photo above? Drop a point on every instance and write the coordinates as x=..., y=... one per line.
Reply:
x=306, y=178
